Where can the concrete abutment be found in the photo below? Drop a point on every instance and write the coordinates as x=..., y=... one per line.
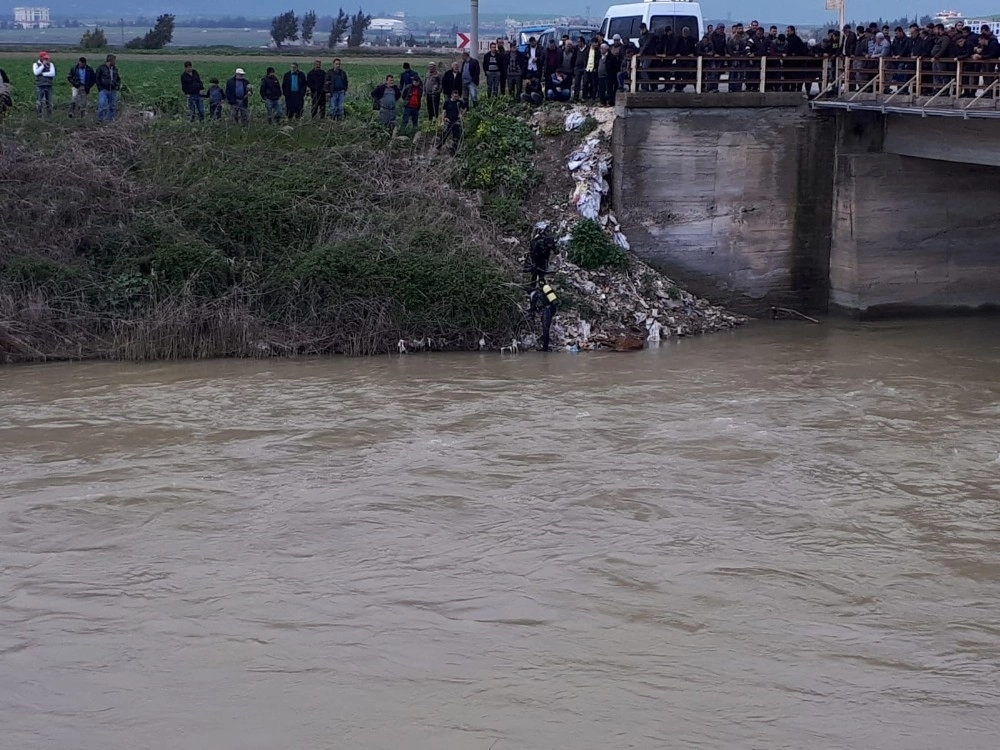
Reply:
x=758, y=200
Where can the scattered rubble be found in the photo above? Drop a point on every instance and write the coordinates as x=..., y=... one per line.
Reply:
x=614, y=309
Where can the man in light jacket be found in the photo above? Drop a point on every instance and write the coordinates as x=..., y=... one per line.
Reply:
x=45, y=75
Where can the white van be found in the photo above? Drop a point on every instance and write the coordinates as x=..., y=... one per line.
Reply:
x=624, y=20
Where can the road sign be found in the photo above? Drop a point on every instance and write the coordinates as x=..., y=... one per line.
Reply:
x=462, y=40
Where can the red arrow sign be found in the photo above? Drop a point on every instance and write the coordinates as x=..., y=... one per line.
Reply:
x=462, y=40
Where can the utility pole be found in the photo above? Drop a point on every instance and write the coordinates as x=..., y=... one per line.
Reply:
x=122, y=21
x=474, y=30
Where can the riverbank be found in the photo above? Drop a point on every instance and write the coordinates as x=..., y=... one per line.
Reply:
x=156, y=238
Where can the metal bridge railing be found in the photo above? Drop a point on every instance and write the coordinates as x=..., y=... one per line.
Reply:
x=925, y=86
x=708, y=74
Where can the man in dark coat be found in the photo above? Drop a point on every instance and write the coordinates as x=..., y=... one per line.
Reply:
x=270, y=92
x=82, y=78
x=192, y=87
x=293, y=87
x=316, y=83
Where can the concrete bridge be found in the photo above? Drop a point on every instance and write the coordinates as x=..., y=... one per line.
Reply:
x=841, y=201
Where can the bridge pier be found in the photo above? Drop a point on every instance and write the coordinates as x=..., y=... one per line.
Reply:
x=757, y=200
x=913, y=235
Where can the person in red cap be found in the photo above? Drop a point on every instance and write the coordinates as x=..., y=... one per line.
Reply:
x=45, y=75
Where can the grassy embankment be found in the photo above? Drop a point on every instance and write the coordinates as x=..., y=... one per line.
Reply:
x=155, y=239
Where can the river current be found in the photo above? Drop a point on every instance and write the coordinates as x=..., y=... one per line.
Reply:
x=783, y=537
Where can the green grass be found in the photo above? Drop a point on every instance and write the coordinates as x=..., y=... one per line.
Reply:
x=154, y=82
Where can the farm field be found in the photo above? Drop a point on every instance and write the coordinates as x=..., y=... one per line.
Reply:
x=183, y=37
x=153, y=81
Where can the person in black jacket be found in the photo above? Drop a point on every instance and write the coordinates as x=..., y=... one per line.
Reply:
x=550, y=60
x=685, y=55
x=293, y=86
x=316, y=83
x=504, y=64
x=192, y=88
x=82, y=78
x=515, y=72
x=796, y=48
x=109, y=82
x=270, y=92
x=5, y=100
x=493, y=65
x=452, y=80
x=607, y=76
x=580, y=67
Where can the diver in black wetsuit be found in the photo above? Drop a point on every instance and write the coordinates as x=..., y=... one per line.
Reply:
x=543, y=298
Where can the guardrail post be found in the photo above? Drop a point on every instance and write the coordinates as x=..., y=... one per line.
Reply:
x=918, y=88
x=763, y=74
x=699, y=72
x=958, y=81
x=635, y=74
x=881, y=76
x=824, y=81
x=846, y=88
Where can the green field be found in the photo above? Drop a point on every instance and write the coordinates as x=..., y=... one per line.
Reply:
x=153, y=82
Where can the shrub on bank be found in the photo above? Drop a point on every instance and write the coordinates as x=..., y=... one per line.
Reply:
x=590, y=248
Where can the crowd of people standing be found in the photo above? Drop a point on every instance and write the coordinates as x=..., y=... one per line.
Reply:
x=284, y=97
x=82, y=78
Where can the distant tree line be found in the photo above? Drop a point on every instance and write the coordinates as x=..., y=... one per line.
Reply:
x=288, y=27
x=892, y=23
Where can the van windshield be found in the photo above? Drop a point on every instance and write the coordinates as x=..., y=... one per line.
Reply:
x=626, y=26
x=659, y=23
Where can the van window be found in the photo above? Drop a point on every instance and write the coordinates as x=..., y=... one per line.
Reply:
x=604, y=29
x=626, y=26
x=658, y=23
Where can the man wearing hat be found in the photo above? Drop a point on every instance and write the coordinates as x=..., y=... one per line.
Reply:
x=238, y=90
x=45, y=74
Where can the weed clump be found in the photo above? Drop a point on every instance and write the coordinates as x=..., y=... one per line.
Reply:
x=497, y=155
x=590, y=248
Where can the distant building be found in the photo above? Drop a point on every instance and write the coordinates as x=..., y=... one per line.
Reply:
x=395, y=26
x=31, y=18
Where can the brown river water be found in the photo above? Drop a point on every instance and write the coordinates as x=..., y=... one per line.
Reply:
x=784, y=537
